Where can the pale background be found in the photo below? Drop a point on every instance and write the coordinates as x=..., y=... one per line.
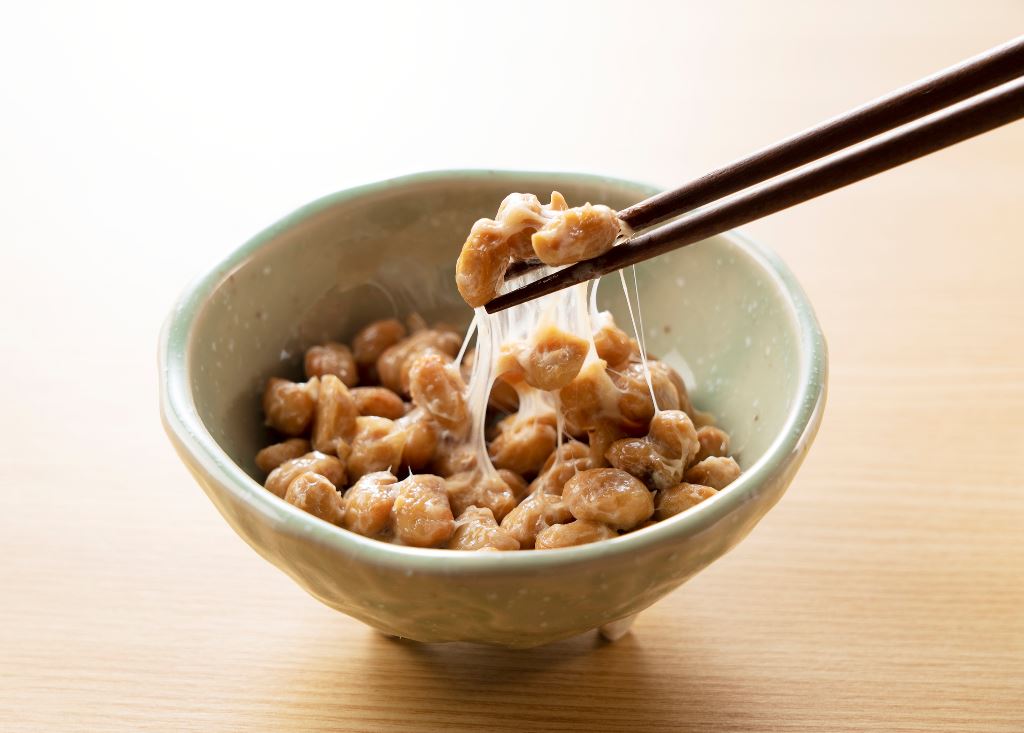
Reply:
x=138, y=144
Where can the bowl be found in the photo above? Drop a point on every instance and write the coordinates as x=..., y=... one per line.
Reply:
x=725, y=312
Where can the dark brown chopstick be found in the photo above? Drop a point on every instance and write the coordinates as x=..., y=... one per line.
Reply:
x=949, y=86
x=521, y=267
x=986, y=112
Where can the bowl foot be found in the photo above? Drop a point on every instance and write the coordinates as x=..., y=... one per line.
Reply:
x=617, y=629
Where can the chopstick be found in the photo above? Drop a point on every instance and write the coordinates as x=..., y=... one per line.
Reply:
x=949, y=86
x=953, y=84
x=976, y=117
x=980, y=115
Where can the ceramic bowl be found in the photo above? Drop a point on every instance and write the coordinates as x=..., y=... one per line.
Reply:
x=726, y=312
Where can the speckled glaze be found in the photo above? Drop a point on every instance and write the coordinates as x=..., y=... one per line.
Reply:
x=726, y=312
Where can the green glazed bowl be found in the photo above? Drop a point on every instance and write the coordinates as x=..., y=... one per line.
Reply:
x=725, y=312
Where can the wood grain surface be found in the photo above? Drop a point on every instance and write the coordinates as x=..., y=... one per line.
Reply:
x=886, y=590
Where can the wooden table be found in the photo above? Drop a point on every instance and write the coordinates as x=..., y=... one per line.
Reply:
x=886, y=591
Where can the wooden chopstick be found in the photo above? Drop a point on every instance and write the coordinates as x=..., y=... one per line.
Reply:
x=982, y=114
x=949, y=86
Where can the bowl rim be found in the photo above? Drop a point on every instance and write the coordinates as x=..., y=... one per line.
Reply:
x=191, y=438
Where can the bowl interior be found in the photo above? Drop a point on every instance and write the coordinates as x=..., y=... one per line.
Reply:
x=714, y=310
